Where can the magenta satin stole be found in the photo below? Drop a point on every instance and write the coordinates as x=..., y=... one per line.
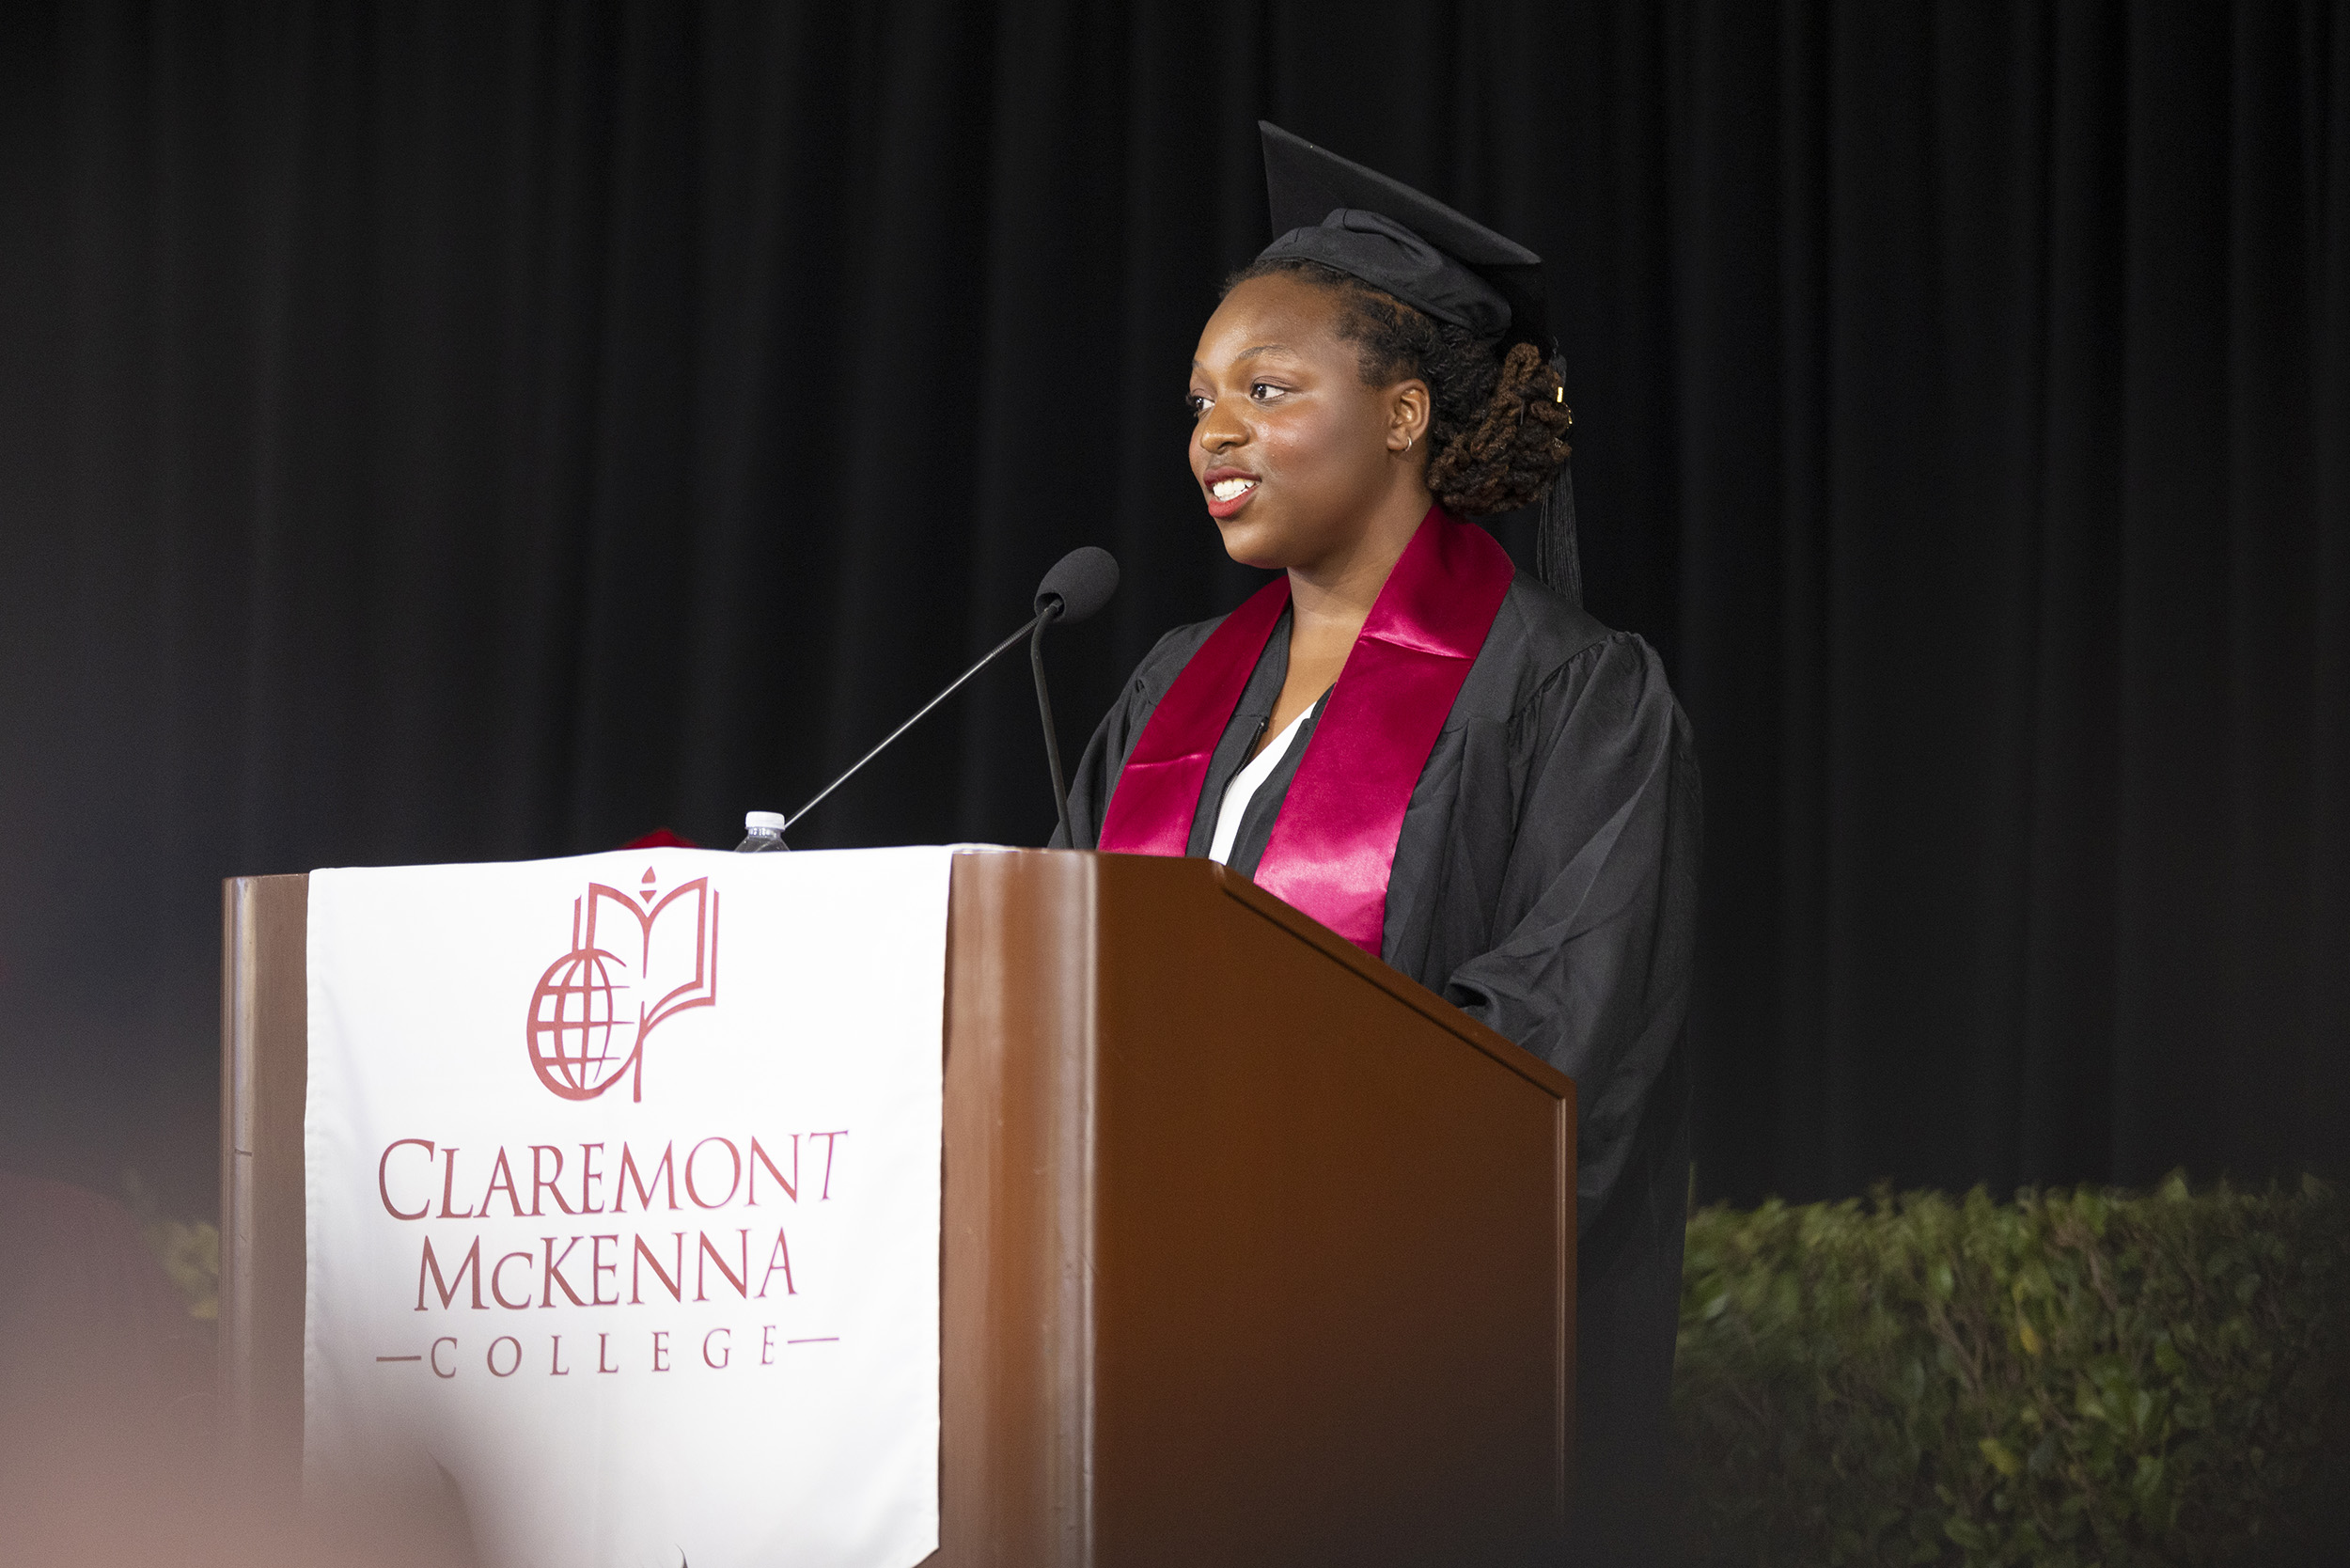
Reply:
x=1332, y=845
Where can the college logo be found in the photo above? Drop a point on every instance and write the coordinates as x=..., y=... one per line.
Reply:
x=637, y=961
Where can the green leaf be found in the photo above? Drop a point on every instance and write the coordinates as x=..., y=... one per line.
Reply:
x=2002, y=1458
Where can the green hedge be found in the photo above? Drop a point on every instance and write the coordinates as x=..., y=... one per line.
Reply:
x=2074, y=1378
x=189, y=1251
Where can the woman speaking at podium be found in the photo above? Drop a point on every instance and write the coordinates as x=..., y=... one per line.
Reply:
x=1450, y=765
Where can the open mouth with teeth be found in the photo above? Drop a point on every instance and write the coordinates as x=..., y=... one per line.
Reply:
x=1232, y=489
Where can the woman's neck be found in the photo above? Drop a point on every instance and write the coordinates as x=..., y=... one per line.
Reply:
x=1330, y=600
x=1338, y=593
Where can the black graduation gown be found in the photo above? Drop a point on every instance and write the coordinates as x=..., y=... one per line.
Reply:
x=1545, y=882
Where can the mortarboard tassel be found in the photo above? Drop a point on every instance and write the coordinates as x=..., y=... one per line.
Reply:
x=1557, y=562
x=1558, y=558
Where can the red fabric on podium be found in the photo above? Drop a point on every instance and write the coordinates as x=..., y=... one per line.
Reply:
x=661, y=838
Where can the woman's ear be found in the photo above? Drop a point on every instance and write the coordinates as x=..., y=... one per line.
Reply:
x=1408, y=415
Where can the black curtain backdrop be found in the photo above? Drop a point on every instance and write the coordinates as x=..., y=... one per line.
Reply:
x=442, y=432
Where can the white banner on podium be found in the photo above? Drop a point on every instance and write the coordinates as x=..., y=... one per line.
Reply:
x=623, y=1201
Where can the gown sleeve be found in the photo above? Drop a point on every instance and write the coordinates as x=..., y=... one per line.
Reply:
x=1591, y=960
x=1096, y=773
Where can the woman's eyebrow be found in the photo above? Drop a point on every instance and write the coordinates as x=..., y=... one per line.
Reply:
x=1249, y=353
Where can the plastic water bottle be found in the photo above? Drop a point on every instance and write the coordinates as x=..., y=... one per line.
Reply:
x=764, y=832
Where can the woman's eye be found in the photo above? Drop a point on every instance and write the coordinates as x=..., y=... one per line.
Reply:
x=1264, y=391
x=1198, y=404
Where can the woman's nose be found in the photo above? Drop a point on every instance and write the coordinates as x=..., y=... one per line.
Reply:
x=1219, y=431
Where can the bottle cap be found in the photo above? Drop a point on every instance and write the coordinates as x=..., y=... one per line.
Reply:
x=771, y=820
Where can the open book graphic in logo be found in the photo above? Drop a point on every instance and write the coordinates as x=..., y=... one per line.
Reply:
x=637, y=960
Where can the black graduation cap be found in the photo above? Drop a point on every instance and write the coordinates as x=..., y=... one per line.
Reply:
x=1361, y=222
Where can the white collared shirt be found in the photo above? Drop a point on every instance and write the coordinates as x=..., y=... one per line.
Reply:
x=1242, y=789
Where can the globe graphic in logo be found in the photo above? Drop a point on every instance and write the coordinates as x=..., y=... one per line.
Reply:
x=573, y=1043
x=595, y=1007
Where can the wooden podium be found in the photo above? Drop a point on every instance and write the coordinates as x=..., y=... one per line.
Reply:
x=1253, y=1250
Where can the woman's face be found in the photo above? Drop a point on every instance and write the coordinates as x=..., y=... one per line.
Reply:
x=1293, y=453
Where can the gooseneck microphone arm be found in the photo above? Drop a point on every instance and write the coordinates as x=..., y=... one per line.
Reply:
x=1079, y=584
x=1045, y=617
x=986, y=659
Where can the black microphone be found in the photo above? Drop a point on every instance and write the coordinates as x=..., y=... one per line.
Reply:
x=1082, y=581
x=1079, y=584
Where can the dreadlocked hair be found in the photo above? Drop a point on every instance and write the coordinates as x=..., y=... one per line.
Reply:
x=1496, y=429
